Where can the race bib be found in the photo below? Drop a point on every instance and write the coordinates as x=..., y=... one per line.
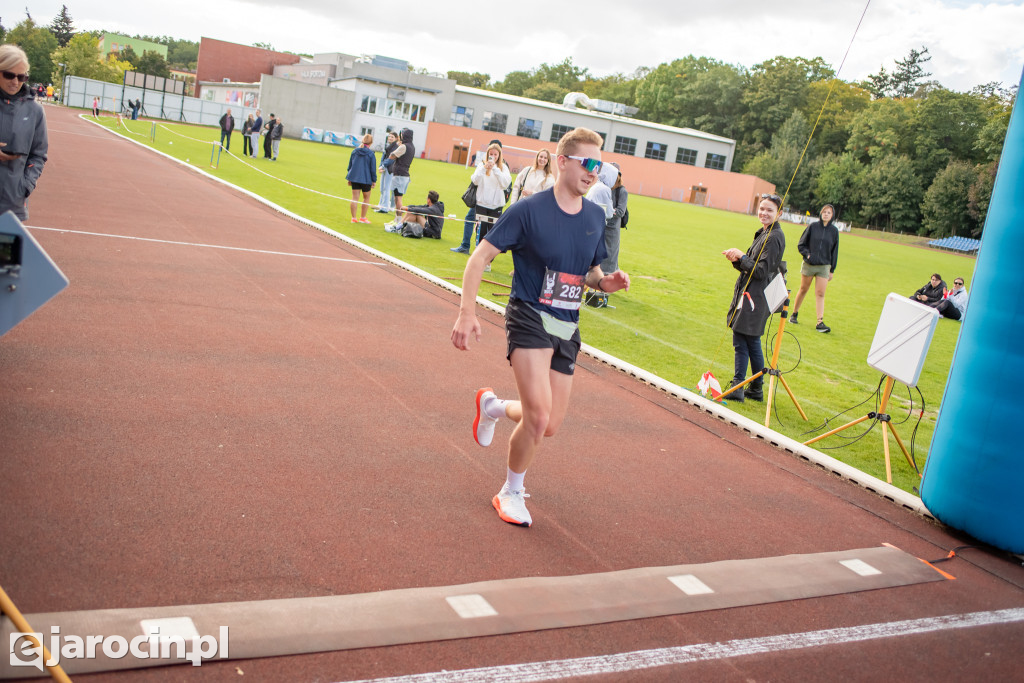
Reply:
x=562, y=290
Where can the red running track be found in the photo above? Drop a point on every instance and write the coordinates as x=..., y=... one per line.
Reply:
x=186, y=424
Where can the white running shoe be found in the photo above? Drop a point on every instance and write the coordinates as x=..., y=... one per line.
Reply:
x=483, y=425
x=511, y=506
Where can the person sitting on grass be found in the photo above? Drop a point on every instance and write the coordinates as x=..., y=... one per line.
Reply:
x=931, y=294
x=420, y=220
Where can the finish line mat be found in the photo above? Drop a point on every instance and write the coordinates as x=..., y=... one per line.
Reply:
x=246, y=630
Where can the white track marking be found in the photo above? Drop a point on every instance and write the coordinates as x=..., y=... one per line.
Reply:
x=688, y=654
x=208, y=246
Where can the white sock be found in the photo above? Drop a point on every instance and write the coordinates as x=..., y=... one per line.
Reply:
x=495, y=408
x=514, y=481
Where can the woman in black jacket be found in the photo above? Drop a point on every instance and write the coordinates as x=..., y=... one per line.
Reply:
x=748, y=311
x=819, y=246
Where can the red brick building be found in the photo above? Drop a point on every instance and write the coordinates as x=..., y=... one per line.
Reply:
x=219, y=60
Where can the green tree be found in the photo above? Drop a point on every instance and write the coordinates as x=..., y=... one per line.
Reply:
x=83, y=58
x=945, y=209
x=546, y=92
x=153, y=63
x=693, y=92
x=833, y=104
x=62, y=27
x=947, y=126
x=127, y=54
x=565, y=74
x=980, y=194
x=779, y=164
x=471, y=80
x=837, y=183
x=909, y=73
x=182, y=54
x=773, y=89
x=881, y=129
x=890, y=194
x=38, y=44
x=516, y=83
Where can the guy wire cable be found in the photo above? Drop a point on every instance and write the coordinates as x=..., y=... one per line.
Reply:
x=796, y=170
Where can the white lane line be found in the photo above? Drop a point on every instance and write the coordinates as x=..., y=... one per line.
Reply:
x=471, y=606
x=208, y=246
x=690, y=584
x=674, y=656
x=860, y=567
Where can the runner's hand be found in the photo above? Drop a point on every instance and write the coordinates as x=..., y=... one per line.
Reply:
x=465, y=327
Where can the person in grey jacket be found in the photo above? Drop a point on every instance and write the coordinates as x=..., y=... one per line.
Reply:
x=954, y=305
x=23, y=139
x=819, y=247
x=748, y=311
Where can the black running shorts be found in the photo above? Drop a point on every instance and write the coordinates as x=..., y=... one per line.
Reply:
x=524, y=329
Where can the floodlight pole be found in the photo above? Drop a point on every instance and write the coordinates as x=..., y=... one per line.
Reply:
x=772, y=371
x=886, y=421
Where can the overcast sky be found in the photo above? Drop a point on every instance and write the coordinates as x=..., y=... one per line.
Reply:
x=971, y=43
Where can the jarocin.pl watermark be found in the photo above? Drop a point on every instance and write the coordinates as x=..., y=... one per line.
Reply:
x=151, y=645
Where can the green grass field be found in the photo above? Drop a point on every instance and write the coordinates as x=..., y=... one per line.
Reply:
x=672, y=321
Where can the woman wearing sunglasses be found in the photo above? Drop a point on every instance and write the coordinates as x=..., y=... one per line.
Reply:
x=748, y=311
x=23, y=141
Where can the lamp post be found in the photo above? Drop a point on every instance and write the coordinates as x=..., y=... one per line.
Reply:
x=63, y=79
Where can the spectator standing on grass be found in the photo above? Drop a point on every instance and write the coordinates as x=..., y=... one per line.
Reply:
x=469, y=223
x=819, y=247
x=361, y=177
x=387, y=200
x=557, y=246
x=271, y=124
x=23, y=137
x=932, y=292
x=748, y=311
x=275, y=139
x=491, y=176
x=403, y=156
x=96, y=107
x=227, y=126
x=254, y=134
x=246, y=132
x=954, y=305
x=534, y=178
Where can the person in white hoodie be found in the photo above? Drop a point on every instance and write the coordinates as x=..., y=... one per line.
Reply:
x=491, y=177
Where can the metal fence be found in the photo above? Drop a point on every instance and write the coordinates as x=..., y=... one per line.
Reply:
x=156, y=104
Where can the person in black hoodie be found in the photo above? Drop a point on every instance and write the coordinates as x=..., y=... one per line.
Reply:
x=819, y=246
x=403, y=156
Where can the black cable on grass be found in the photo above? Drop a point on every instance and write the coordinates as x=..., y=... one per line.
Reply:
x=837, y=415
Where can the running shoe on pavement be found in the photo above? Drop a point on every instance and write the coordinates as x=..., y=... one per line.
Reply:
x=511, y=506
x=483, y=425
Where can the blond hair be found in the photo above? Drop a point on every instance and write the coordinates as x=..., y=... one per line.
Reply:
x=496, y=147
x=547, y=167
x=576, y=137
x=11, y=56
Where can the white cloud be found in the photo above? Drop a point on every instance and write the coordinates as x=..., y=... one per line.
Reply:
x=970, y=42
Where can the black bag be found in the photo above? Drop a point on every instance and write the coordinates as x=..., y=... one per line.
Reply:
x=469, y=196
x=625, y=215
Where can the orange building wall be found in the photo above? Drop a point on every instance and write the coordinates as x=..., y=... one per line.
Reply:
x=647, y=177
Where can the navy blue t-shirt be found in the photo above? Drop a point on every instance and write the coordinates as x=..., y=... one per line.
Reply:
x=540, y=235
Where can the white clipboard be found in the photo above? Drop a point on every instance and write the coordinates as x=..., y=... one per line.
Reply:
x=776, y=293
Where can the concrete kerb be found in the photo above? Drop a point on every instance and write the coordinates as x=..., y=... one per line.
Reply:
x=862, y=479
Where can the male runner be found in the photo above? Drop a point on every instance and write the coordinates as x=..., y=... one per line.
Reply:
x=557, y=244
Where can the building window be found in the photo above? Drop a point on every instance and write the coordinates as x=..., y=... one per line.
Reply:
x=625, y=145
x=715, y=161
x=461, y=116
x=407, y=111
x=529, y=128
x=496, y=123
x=372, y=105
x=364, y=131
x=656, y=150
x=686, y=156
x=558, y=130
x=604, y=138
